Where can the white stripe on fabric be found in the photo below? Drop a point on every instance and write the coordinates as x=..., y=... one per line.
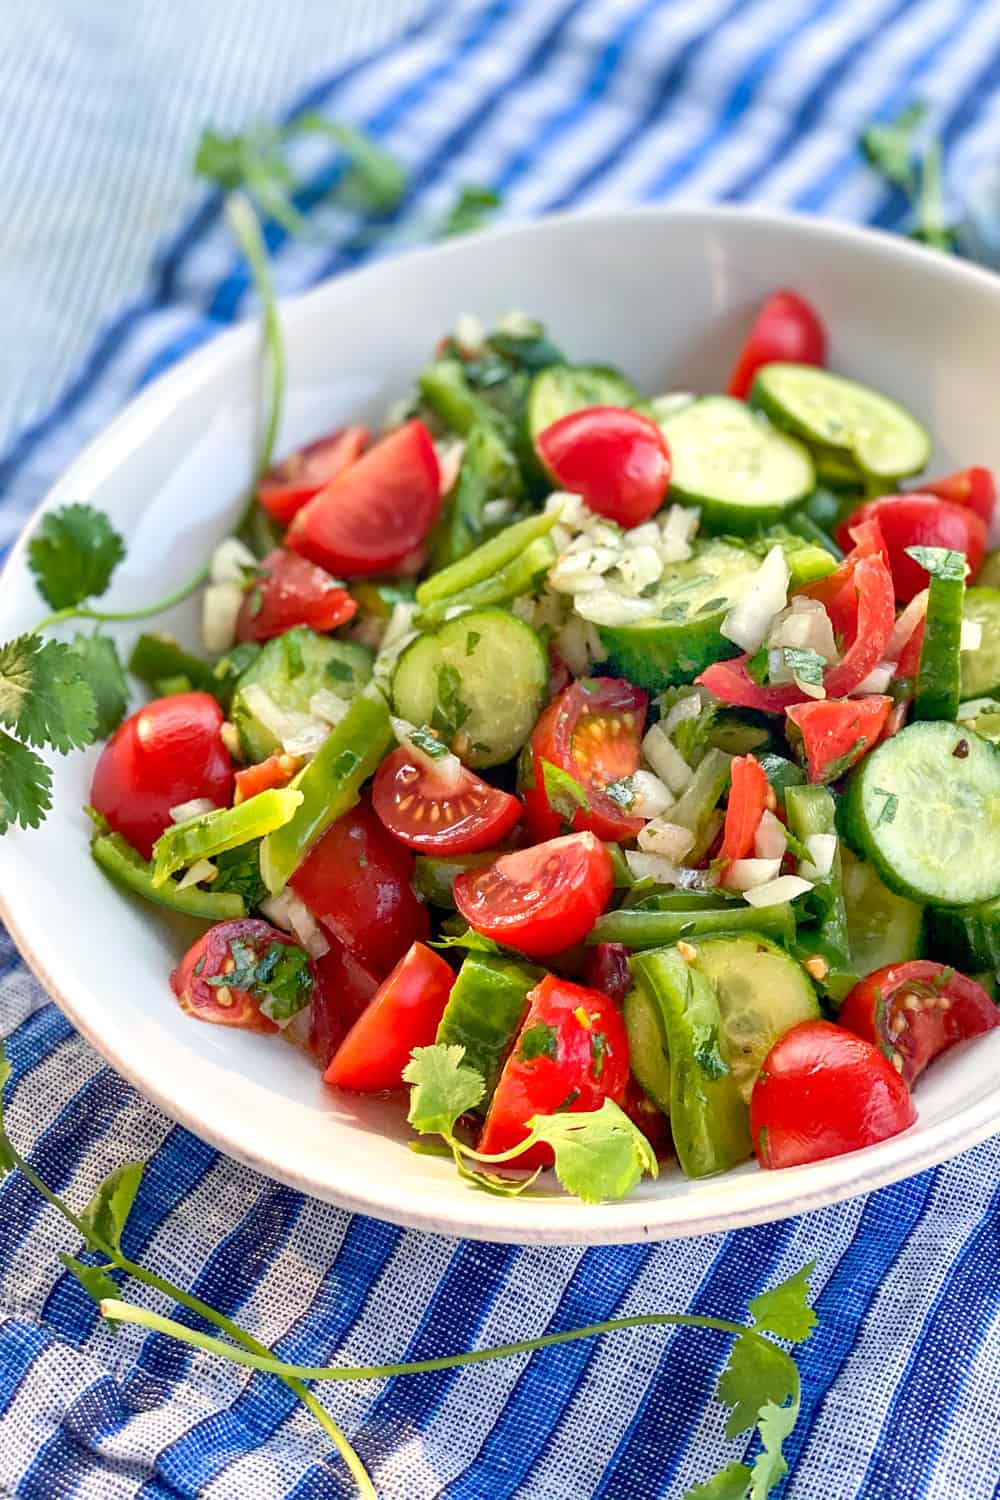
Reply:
x=969, y=1461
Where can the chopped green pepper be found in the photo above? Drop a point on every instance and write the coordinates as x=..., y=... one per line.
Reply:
x=446, y=390
x=487, y=560
x=224, y=828
x=128, y=868
x=488, y=472
x=652, y=929
x=155, y=657
x=433, y=875
x=519, y=576
x=813, y=809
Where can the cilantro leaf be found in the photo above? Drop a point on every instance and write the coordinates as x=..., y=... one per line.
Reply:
x=805, y=664
x=493, y=1182
x=25, y=785
x=600, y=1155
x=450, y=713
x=109, y=1208
x=280, y=976
x=43, y=696
x=443, y=1087
x=7, y=1163
x=94, y=1279
x=940, y=562
x=784, y=1309
x=73, y=555
x=758, y=665
x=377, y=180
x=102, y=669
x=566, y=796
x=621, y=792
x=538, y=1040
x=774, y=1424
x=706, y=1052
x=890, y=147
x=474, y=942
x=730, y=1483
x=469, y=211
x=239, y=871
x=756, y=1372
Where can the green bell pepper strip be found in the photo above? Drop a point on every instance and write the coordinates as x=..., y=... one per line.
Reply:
x=619, y=868
x=447, y=392
x=485, y=561
x=698, y=801
x=708, y=1118
x=155, y=658
x=225, y=828
x=518, y=577
x=939, y=675
x=488, y=472
x=813, y=809
x=653, y=929
x=127, y=868
x=328, y=786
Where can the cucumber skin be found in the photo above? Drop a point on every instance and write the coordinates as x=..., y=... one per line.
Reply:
x=485, y=1009
x=979, y=680
x=939, y=675
x=655, y=664
x=968, y=936
x=647, y=1047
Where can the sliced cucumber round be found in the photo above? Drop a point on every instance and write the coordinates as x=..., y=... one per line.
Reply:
x=882, y=928
x=762, y=991
x=879, y=435
x=924, y=807
x=647, y=1046
x=981, y=668
x=480, y=680
x=560, y=389
x=290, y=669
x=683, y=637
x=735, y=465
x=837, y=469
x=969, y=939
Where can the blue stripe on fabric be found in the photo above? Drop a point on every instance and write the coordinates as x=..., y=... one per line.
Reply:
x=20, y=1345
x=31, y=1043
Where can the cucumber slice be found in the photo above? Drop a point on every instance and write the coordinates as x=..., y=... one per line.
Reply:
x=989, y=574
x=981, y=668
x=481, y=681
x=879, y=435
x=924, y=807
x=434, y=875
x=882, y=928
x=290, y=669
x=647, y=1047
x=969, y=938
x=937, y=691
x=485, y=1009
x=762, y=994
x=837, y=469
x=684, y=636
x=560, y=389
x=730, y=461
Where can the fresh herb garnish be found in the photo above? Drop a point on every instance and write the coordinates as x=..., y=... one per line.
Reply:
x=566, y=796
x=427, y=742
x=621, y=792
x=890, y=806
x=538, y=1040
x=899, y=151
x=450, y=713
x=292, y=650
x=73, y=555
x=707, y=1053
x=804, y=664
x=339, y=670
x=239, y=872
x=758, y=664
x=280, y=977
x=940, y=562
x=469, y=212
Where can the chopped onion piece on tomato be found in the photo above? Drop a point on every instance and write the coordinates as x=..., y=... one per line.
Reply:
x=650, y=796
x=669, y=839
x=906, y=624
x=446, y=768
x=747, y=874
x=785, y=888
x=291, y=914
x=297, y=733
x=220, y=607
x=195, y=808
x=202, y=872
x=806, y=625
x=655, y=867
x=822, y=852
x=230, y=562
x=666, y=760
x=972, y=635
x=877, y=681
x=770, y=840
x=750, y=619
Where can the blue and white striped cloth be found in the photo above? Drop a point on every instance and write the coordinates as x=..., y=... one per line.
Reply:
x=556, y=102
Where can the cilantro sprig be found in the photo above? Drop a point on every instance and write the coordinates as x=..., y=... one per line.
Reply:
x=900, y=151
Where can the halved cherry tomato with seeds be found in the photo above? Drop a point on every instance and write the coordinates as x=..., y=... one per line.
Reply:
x=276, y=771
x=343, y=988
x=436, y=817
x=405, y=1013
x=836, y=732
x=570, y=1055
x=539, y=900
x=915, y=1011
x=199, y=979
x=290, y=591
x=286, y=487
x=616, y=459
x=920, y=520
x=593, y=732
x=748, y=799
x=786, y=329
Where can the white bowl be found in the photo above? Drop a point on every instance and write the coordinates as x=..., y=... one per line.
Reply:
x=666, y=294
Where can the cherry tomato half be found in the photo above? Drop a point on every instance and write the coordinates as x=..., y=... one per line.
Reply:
x=919, y=520
x=405, y=1013
x=616, y=459
x=285, y=488
x=539, y=900
x=822, y=1092
x=974, y=487
x=290, y=591
x=836, y=732
x=786, y=329
x=426, y=814
x=748, y=797
x=915, y=1011
x=593, y=732
x=356, y=881
x=165, y=754
x=571, y=1054
x=343, y=988
x=218, y=952
x=376, y=512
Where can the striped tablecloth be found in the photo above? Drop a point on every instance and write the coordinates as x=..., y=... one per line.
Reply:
x=556, y=102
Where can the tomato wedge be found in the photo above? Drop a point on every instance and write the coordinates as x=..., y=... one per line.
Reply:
x=375, y=513
x=356, y=881
x=786, y=328
x=571, y=1054
x=404, y=1014
x=920, y=520
x=199, y=979
x=539, y=900
x=616, y=459
x=836, y=732
x=837, y=592
x=915, y=1011
x=428, y=814
x=286, y=487
x=290, y=591
x=343, y=988
x=592, y=732
x=748, y=796
x=277, y=770
x=822, y=1092
x=165, y=754
x=974, y=487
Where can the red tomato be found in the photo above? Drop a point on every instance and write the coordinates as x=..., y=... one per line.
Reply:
x=836, y=732
x=593, y=731
x=290, y=591
x=276, y=771
x=343, y=988
x=822, y=1092
x=211, y=958
x=570, y=1055
x=748, y=798
x=356, y=881
x=167, y=753
x=915, y=1011
x=404, y=1014
x=605, y=967
x=375, y=513
x=786, y=329
x=285, y=489
x=837, y=592
x=919, y=520
x=975, y=488
x=648, y=1118
x=441, y=819
x=616, y=459
x=539, y=900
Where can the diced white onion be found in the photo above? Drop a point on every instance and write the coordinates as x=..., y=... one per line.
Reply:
x=470, y=335
x=666, y=760
x=495, y=512
x=579, y=645
x=669, y=839
x=785, y=888
x=906, y=625
x=230, y=737
x=646, y=535
x=328, y=706
x=450, y=452
x=750, y=618
x=220, y=606
x=230, y=560
x=291, y=914
x=517, y=324
x=688, y=707
x=202, y=871
x=570, y=509
x=195, y=808
x=972, y=635
x=747, y=874
x=650, y=796
x=298, y=1028
x=638, y=567
x=806, y=626
x=770, y=840
x=297, y=733
x=822, y=851
x=605, y=606
x=677, y=531
x=655, y=867
x=446, y=769
x=577, y=571
x=877, y=681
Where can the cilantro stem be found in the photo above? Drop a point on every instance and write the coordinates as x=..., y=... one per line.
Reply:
x=83, y=612
x=245, y=227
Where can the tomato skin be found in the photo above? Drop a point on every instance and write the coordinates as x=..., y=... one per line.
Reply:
x=356, y=881
x=473, y=815
x=786, y=329
x=405, y=1013
x=920, y=520
x=576, y=734
x=831, y=728
x=287, y=486
x=837, y=592
x=823, y=1092
x=167, y=753
x=343, y=988
x=539, y=900
x=276, y=771
x=587, y=1036
x=645, y=1115
x=917, y=1010
x=974, y=487
x=373, y=515
x=210, y=955
x=617, y=460
x=605, y=968
x=748, y=798
x=291, y=591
